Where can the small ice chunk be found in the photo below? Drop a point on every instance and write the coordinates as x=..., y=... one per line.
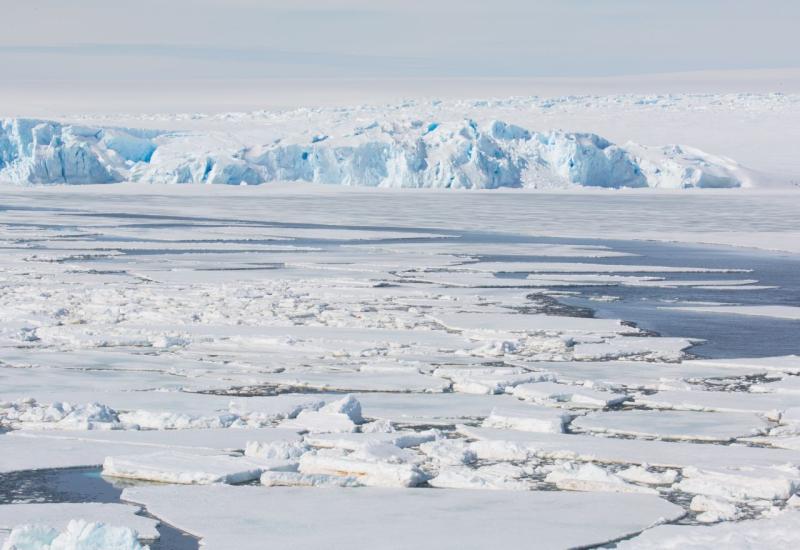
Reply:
x=384, y=452
x=296, y=479
x=367, y=471
x=500, y=450
x=276, y=450
x=640, y=474
x=78, y=535
x=742, y=484
x=571, y=396
x=348, y=406
x=354, y=441
x=340, y=416
x=29, y=413
x=320, y=422
x=713, y=509
x=589, y=477
x=498, y=477
x=377, y=426
x=449, y=451
x=530, y=418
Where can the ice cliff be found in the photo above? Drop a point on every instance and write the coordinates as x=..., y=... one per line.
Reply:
x=401, y=154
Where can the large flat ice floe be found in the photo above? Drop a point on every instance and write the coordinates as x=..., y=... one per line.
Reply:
x=255, y=517
x=394, y=153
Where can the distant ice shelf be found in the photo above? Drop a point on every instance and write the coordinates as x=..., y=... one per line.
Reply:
x=404, y=153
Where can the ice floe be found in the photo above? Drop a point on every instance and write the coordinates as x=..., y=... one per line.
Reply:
x=370, y=467
x=78, y=535
x=569, y=396
x=183, y=468
x=529, y=418
x=769, y=534
x=250, y=517
x=699, y=426
x=57, y=516
x=588, y=477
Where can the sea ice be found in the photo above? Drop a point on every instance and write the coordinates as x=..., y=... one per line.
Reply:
x=174, y=467
x=252, y=517
x=589, y=477
x=356, y=441
x=700, y=426
x=569, y=396
x=369, y=470
x=744, y=484
x=505, y=477
x=773, y=533
x=58, y=515
x=78, y=535
x=452, y=452
x=529, y=418
x=343, y=415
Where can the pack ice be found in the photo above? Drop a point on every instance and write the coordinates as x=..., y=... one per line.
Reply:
x=395, y=153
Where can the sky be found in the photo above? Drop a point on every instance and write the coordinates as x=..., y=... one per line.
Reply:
x=154, y=40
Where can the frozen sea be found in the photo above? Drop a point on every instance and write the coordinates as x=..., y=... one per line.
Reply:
x=314, y=365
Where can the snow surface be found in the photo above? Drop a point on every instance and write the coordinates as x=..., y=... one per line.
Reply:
x=251, y=517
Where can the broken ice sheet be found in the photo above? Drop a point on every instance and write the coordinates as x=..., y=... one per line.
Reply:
x=589, y=448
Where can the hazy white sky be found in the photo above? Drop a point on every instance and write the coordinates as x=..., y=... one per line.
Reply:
x=229, y=39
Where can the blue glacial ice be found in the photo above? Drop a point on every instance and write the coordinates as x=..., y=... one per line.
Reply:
x=437, y=155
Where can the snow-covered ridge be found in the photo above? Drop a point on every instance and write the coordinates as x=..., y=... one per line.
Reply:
x=405, y=153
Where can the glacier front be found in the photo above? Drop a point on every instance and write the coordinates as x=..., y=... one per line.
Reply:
x=393, y=153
